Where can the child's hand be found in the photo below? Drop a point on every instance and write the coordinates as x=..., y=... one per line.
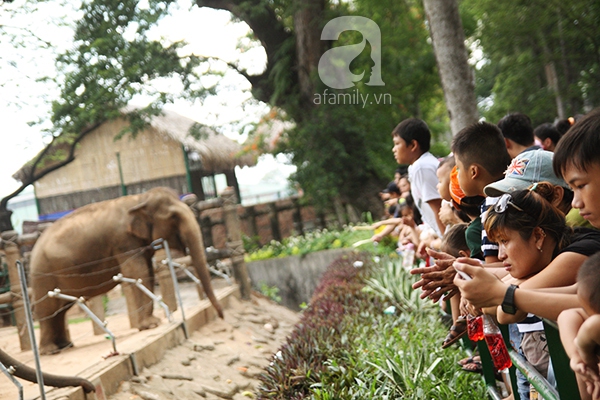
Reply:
x=589, y=376
x=586, y=343
x=577, y=364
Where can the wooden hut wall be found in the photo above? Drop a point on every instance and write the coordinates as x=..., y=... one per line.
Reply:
x=71, y=201
x=149, y=160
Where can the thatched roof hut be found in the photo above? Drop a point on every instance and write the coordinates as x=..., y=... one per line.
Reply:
x=164, y=154
x=217, y=152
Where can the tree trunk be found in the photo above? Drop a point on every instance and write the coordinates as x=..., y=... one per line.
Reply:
x=307, y=26
x=551, y=76
x=552, y=80
x=448, y=38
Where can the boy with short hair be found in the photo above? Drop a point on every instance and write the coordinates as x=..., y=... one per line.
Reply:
x=481, y=158
x=518, y=133
x=411, y=146
x=577, y=160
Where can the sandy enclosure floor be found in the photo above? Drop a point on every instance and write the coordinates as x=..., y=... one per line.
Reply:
x=217, y=361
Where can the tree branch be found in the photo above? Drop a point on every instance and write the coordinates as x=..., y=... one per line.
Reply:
x=272, y=34
x=31, y=177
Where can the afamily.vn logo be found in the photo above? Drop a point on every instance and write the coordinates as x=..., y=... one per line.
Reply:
x=334, y=65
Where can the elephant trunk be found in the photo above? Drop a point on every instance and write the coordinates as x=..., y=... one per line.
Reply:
x=25, y=372
x=195, y=244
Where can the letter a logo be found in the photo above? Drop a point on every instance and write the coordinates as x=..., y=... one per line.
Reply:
x=334, y=65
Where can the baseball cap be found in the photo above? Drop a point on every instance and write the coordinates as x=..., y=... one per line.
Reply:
x=524, y=170
x=391, y=188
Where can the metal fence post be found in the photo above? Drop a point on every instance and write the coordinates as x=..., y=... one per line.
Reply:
x=36, y=354
x=10, y=376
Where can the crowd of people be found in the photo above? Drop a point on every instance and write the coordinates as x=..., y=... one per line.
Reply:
x=507, y=227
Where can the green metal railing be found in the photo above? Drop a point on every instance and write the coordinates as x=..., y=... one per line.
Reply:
x=566, y=383
x=565, y=377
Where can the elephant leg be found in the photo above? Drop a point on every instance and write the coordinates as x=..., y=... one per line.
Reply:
x=54, y=332
x=142, y=303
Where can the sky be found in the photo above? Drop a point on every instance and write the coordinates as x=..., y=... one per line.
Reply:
x=208, y=32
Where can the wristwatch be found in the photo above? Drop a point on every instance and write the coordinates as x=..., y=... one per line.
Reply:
x=508, y=304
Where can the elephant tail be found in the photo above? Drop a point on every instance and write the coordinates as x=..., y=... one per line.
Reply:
x=27, y=373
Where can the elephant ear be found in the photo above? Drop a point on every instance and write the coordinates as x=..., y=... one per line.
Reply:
x=139, y=223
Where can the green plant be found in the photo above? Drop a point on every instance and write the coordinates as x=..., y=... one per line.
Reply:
x=346, y=347
x=315, y=241
x=271, y=292
x=394, y=283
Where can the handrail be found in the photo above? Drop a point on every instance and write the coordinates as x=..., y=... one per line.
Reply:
x=540, y=383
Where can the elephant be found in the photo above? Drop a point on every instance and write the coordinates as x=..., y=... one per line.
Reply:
x=82, y=251
x=25, y=372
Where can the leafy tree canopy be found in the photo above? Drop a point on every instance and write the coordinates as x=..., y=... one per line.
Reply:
x=525, y=44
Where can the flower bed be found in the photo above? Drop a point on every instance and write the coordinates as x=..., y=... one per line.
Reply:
x=347, y=347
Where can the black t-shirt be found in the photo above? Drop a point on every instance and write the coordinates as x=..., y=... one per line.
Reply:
x=584, y=241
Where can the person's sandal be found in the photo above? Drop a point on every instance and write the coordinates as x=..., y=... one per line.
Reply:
x=457, y=331
x=469, y=360
x=474, y=366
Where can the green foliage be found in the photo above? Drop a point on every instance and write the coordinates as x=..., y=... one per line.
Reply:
x=356, y=134
x=314, y=241
x=395, y=284
x=346, y=347
x=271, y=292
x=521, y=42
x=114, y=60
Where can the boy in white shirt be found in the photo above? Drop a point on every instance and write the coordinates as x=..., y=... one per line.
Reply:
x=411, y=146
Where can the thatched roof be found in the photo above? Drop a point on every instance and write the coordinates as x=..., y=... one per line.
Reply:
x=217, y=152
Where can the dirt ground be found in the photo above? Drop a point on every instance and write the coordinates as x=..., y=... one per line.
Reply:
x=220, y=360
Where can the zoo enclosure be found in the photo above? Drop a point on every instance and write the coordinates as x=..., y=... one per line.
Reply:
x=233, y=250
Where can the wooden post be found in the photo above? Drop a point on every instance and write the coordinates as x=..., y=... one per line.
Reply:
x=274, y=217
x=97, y=307
x=165, y=282
x=322, y=220
x=206, y=227
x=11, y=251
x=299, y=226
x=252, y=227
x=234, y=241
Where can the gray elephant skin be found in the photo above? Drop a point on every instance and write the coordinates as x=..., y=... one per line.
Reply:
x=82, y=251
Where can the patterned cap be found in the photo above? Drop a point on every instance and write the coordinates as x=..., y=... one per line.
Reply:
x=524, y=170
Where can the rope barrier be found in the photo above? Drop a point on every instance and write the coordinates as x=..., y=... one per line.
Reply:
x=135, y=253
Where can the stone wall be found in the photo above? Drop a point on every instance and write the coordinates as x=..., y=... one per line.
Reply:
x=296, y=277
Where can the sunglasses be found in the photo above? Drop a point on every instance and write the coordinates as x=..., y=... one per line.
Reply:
x=504, y=202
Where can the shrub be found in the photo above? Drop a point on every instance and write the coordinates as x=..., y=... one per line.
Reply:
x=314, y=241
x=346, y=347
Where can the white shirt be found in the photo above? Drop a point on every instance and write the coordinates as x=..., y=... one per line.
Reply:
x=423, y=187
